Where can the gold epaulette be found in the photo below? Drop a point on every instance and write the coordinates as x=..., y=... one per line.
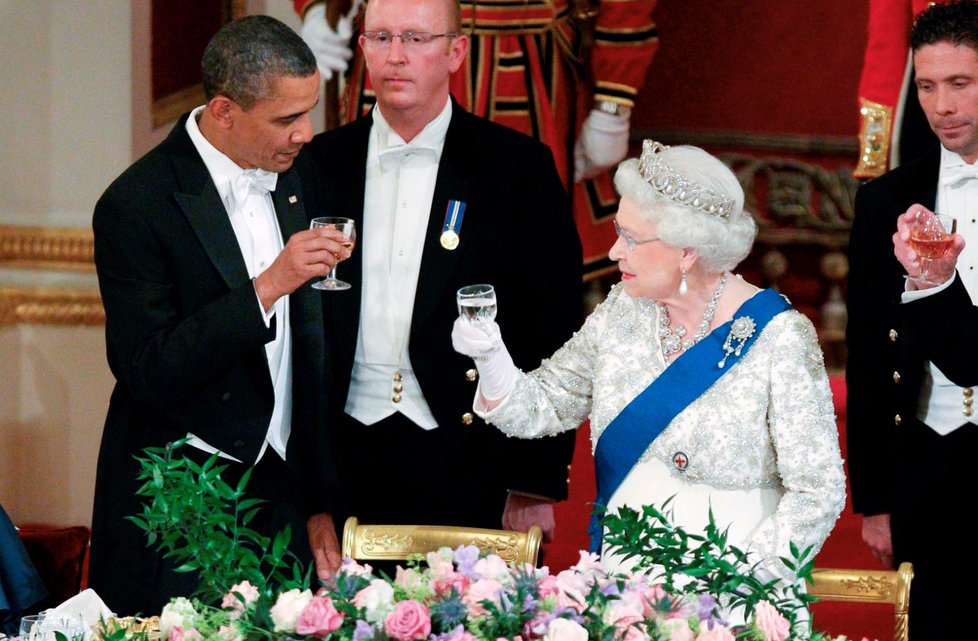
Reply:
x=875, y=133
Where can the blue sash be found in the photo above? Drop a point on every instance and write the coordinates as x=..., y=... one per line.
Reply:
x=629, y=435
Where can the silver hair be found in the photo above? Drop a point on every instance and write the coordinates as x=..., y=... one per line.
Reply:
x=720, y=244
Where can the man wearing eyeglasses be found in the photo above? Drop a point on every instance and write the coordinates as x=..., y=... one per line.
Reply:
x=444, y=199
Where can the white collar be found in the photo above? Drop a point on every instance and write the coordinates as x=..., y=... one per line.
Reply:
x=222, y=169
x=431, y=137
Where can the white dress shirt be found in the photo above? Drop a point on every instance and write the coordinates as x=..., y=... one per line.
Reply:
x=260, y=239
x=944, y=406
x=397, y=202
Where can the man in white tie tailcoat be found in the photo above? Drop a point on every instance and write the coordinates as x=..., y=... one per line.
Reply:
x=203, y=255
x=912, y=433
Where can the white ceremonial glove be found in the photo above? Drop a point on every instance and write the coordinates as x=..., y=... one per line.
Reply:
x=497, y=373
x=331, y=48
x=602, y=143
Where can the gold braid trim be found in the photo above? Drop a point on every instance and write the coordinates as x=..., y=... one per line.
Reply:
x=875, y=134
x=50, y=307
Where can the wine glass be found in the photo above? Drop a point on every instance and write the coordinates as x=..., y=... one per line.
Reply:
x=930, y=238
x=349, y=229
x=477, y=304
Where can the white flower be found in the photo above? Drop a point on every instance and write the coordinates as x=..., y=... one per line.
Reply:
x=377, y=600
x=565, y=630
x=288, y=607
x=178, y=612
x=494, y=568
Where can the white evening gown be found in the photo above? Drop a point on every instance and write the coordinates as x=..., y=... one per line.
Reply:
x=761, y=443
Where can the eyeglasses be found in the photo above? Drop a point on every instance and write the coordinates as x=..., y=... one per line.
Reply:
x=410, y=39
x=631, y=242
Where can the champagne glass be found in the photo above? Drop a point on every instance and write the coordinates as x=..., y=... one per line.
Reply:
x=930, y=238
x=477, y=304
x=349, y=229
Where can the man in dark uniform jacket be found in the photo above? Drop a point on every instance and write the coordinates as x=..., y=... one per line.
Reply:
x=203, y=255
x=911, y=431
x=444, y=199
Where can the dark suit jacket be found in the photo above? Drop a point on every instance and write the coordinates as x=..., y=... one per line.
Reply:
x=949, y=312
x=517, y=234
x=185, y=340
x=885, y=366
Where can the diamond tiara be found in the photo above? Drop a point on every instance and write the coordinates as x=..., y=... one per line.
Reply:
x=676, y=187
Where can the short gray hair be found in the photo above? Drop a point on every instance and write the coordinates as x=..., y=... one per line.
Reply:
x=247, y=55
x=720, y=243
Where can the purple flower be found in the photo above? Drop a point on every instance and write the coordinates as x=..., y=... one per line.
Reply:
x=706, y=608
x=465, y=558
x=610, y=589
x=363, y=631
x=450, y=635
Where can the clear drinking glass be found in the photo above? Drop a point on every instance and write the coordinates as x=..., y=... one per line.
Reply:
x=349, y=229
x=42, y=627
x=477, y=304
x=930, y=238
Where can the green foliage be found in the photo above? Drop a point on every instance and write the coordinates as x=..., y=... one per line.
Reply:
x=704, y=564
x=200, y=522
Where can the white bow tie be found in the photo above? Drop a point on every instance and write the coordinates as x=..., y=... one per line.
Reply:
x=951, y=176
x=257, y=180
x=392, y=157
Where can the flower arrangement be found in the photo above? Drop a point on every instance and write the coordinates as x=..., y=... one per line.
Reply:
x=460, y=596
x=249, y=592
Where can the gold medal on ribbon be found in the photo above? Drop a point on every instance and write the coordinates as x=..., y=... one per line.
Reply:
x=449, y=240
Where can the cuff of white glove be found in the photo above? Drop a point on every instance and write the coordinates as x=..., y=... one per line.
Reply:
x=608, y=123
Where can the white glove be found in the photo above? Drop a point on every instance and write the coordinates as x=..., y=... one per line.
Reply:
x=331, y=48
x=602, y=143
x=497, y=373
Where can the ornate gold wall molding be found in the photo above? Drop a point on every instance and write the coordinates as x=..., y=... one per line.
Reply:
x=50, y=307
x=47, y=247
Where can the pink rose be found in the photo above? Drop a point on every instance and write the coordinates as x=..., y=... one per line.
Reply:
x=177, y=633
x=770, y=623
x=548, y=586
x=481, y=590
x=410, y=620
x=443, y=585
x=241, y=595
x=319, y=618
x=718, y=633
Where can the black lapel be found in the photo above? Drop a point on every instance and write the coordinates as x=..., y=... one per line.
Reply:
x=457, y=178
x=205, y=210
x=289, y=208
x=342, y=161
x=922, y=178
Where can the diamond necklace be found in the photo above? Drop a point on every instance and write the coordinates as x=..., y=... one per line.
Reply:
x=672, y=341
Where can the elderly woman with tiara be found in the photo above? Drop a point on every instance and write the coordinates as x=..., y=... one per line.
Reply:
x=698, y=385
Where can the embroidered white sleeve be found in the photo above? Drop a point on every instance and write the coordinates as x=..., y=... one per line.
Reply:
x=556, y=397
x=803, y=433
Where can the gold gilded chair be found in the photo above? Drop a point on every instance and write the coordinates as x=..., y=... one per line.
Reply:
x=398, y=542
x=868, y=586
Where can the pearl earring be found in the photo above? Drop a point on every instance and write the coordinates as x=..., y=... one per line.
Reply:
x=683, y=287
